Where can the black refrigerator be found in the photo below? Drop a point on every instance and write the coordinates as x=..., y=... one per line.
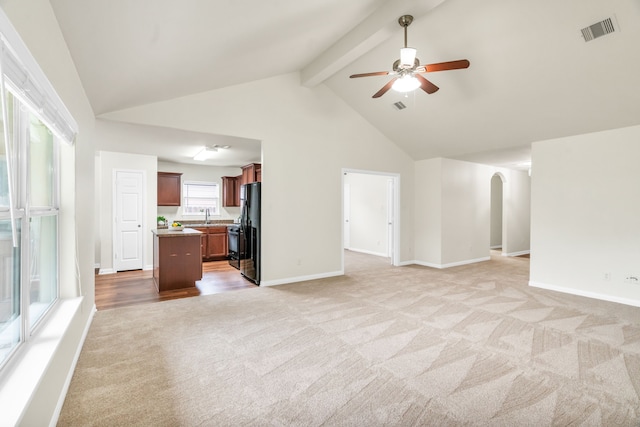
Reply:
x=250, y=231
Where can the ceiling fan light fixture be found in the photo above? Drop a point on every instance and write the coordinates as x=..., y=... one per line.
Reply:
x=406, y=83
x=407, y=57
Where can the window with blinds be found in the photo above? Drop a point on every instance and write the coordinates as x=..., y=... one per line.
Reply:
x=197, y=197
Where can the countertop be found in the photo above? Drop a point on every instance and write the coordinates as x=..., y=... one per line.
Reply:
x=174, y=233
x=202, y=225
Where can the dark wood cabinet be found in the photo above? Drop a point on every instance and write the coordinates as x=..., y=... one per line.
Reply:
x=217, y=243
x=177, y=260
x=251, y=173
x=230, y=191
x=214, y=243
x=169, y=189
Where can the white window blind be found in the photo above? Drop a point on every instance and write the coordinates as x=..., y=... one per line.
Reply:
x=197, y=197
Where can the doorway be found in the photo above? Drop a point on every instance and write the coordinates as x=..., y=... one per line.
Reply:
x=370, y=211
x=497, y=213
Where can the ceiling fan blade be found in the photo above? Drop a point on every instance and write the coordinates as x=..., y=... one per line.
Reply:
x=385, y=88
x=444, y=66
x=377, y=73
x=426, y=85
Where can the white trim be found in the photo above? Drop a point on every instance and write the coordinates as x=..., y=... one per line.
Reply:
x=148, y=267
x=452, y=264
x=517, y=253
x=588, y=294
x=424, y=264
x=495, y=247
x=32, y=87
x=67, y=383
x=106, y=271
x=26, y=369
x=363, y=251
x=301, y=278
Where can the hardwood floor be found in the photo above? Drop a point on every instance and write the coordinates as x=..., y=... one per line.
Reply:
x=137, y=287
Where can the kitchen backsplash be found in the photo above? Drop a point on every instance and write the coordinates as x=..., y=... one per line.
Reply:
x=189, y=222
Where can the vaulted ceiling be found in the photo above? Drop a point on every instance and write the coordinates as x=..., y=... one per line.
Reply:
x=532, y=75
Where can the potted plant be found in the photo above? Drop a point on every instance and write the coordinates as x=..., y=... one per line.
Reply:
x=162, y=220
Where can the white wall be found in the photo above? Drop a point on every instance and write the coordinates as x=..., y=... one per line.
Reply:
x=308, y=136
x=368, y=213
x=516, y=208
x=108, y=162
x=453, y=204
x=466, y=205
x=36, y=23
x=199, y=173
x=428, y=215
x=586, y=214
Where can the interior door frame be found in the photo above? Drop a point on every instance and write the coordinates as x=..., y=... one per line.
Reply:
x=114, y=209
x=346, y=214
x=394, y=245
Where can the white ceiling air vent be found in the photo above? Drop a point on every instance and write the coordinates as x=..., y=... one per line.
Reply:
x=399, y=105
x=598, y=29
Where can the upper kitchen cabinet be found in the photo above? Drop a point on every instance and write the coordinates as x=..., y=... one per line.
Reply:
x=251, y=173
x=231, y=190
x=169, y=189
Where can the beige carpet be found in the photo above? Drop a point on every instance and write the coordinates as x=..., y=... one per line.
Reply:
x=471, y=345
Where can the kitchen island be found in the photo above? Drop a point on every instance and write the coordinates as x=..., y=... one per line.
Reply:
x=177, y=258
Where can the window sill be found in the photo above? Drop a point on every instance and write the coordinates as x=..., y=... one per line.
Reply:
x=23, y=374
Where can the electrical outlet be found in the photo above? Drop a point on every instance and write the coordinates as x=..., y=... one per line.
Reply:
x=633, y=279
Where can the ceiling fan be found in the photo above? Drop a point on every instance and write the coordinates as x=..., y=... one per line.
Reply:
x=407, y=70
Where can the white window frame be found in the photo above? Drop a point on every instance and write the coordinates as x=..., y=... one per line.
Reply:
x=22, y=211
x=201, y=213
x=21, y=75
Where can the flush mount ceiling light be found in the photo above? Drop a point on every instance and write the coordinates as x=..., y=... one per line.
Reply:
x=205, y=153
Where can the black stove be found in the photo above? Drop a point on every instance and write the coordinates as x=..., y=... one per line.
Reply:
x=234, y=245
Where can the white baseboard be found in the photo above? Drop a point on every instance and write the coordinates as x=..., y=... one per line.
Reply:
x=96, y=266
x=423, y=263
x=495, y=247
x=516, y=253
x=301, y=278
x=588, y=294
x=363, y=251
x=451, y=264
x=67, y=383
x=112, y=271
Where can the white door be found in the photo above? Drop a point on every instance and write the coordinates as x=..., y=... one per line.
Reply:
x=128, y=221
x=347, y=213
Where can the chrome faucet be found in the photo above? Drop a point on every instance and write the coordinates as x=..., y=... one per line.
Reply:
x=206, y=216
